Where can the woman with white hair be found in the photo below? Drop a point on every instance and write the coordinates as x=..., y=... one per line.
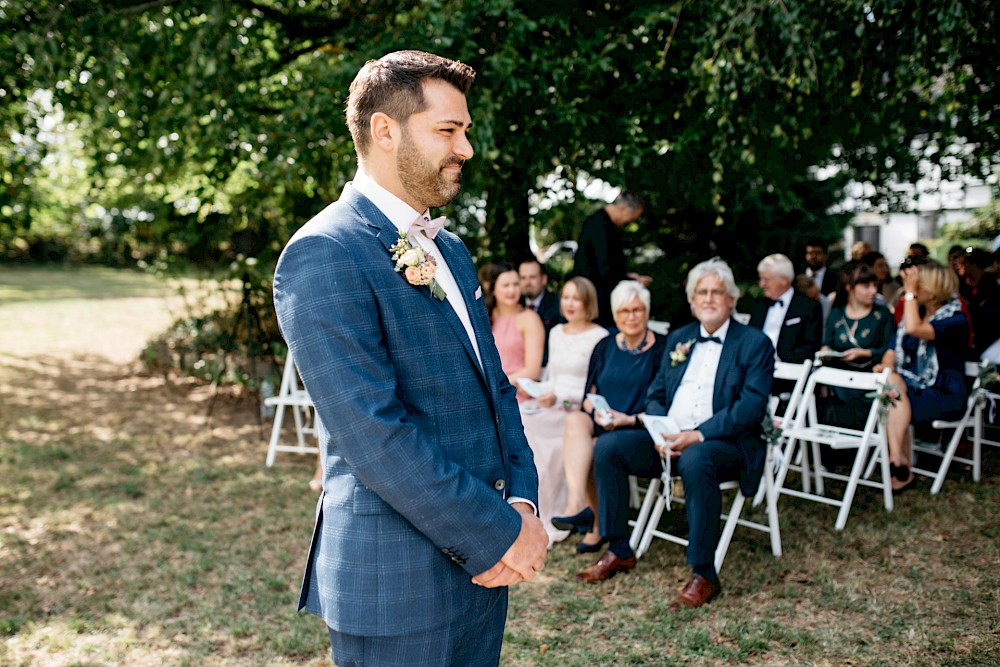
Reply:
x=621, y=369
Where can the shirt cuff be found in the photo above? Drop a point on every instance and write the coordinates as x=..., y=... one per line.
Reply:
x=516, y=499
x=701, y=436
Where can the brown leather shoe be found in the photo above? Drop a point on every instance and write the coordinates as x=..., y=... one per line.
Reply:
x=607, y=567
x=698, y=591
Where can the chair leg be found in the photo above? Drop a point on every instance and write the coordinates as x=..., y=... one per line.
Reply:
x=729, y=529
x=852, y=486
x=638, y=530
x=977, y=443
x=654, y=520
x=771, y=494
x=272, y=445
x=949, y=456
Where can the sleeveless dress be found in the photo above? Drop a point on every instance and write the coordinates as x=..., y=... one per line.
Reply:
x=510, y=345
x=569, y=361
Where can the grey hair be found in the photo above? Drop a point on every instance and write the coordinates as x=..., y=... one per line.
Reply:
x=719, y=269
x=626, y=292
x=631, y=199
x=778, y=265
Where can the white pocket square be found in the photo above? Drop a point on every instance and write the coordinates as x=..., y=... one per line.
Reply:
x=479, y=293
x=794, y=320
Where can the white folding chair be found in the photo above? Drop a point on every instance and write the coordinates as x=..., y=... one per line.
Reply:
x=291, y=396
x=799, y=373
x=658, y=326
x=971, y=418
x=661, y=491
x=646, y=526
x=870, y=443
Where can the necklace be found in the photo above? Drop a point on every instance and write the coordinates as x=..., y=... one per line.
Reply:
x=623, y=346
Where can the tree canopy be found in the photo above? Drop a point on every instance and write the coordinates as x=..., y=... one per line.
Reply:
x=205, y=128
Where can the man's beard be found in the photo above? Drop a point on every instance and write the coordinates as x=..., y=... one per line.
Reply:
x=422, y=180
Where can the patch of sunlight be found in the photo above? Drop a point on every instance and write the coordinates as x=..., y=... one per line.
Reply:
x=78, y=641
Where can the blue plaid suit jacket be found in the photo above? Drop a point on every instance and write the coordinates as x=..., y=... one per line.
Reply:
x=421, y=444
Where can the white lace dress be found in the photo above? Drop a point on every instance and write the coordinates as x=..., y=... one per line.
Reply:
x=566, y=375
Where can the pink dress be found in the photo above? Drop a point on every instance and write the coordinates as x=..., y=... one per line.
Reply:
x=510, y=342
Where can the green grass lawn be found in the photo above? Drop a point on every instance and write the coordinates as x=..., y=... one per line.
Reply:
x=136, y=531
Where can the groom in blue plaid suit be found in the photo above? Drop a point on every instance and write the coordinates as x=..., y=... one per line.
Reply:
x=428, y=511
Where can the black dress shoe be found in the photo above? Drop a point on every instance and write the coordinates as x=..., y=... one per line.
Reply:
x=578, y=523
x=584, y=548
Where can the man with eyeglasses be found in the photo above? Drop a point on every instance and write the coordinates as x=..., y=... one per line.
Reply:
x=714, y=383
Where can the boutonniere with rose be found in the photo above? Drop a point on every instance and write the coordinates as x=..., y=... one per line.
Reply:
x=680, y=353
x=417, y=266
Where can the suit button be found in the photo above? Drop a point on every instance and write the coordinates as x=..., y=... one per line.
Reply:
x=498, y=485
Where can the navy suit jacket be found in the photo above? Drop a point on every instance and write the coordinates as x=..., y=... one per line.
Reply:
x=739, y=400
x=421, y=445
x=801, y=332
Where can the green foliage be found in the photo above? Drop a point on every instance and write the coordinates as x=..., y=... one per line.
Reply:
x=216, y=128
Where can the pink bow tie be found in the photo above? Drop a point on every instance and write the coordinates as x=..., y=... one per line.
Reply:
x=430, y=228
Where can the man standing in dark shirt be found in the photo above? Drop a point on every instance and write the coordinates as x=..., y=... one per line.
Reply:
x=600, y=253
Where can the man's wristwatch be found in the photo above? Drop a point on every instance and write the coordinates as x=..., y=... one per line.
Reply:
x=909, y=296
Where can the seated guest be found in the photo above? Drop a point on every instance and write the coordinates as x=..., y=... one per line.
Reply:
x=981, y=291
x=792, y=321
x=806, y=286
x=862, y=331
x=816, y=268
x=621, y=370
x=537, y=297
x=927, y=358
x=886, y=288
x=715, y=386
x=860, y=248
x=517, y=331
x=570, y=347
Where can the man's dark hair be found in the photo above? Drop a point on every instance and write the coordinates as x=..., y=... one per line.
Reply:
x=533, y=260
x=631, y=199
x=393, y=84
x=816, y=243
x=920, y=249
x=978, y=257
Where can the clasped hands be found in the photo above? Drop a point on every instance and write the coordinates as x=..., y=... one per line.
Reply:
x=673, y=444
x=524, y=557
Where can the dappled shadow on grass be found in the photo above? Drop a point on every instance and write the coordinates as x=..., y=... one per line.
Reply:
x=134, y=531
x=134, y=527
x=917, y=586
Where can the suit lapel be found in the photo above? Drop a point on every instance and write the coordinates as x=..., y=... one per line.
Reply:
x=388, y=234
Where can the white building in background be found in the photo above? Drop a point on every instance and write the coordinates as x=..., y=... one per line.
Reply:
x=919, y=213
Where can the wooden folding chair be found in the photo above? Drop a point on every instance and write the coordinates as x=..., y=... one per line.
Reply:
x=291, y=396
x=972, y=418
x=870, y=443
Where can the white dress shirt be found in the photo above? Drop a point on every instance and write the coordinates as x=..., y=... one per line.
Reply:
x=535, y=303
x=402, y=216
x=692, y=404
x=776, y=316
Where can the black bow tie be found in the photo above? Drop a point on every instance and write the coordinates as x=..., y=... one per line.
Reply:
x=778, y=302
x=709, y=339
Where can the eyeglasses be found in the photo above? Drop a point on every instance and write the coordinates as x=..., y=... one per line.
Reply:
x=709, y=293
x=625, y=313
